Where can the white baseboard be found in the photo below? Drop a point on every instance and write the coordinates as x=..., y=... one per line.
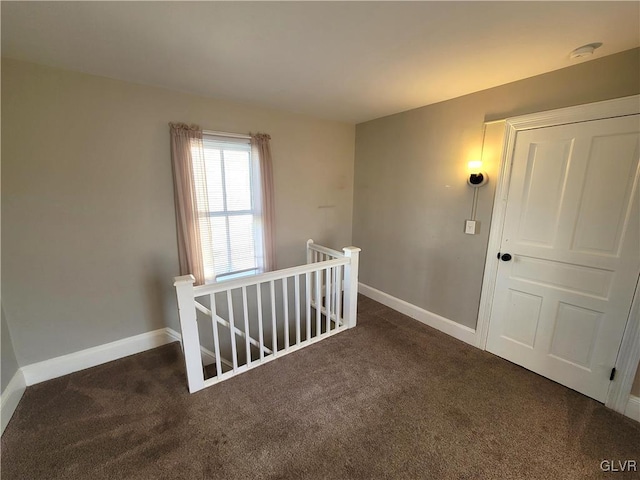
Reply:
x=74, y=362
x=633, y=408
x=10, y=398
x=461, y=332
x=175, y=336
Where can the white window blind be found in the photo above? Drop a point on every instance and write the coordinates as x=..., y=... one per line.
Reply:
x=228, y=201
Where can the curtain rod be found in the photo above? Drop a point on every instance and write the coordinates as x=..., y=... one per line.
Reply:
x=226, y=134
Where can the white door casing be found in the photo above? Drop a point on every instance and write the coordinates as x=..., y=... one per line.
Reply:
x=571, y=225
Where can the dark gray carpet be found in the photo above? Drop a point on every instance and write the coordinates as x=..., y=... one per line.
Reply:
x=391, y=398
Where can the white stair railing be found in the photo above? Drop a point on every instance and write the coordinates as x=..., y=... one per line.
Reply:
x=289, y=308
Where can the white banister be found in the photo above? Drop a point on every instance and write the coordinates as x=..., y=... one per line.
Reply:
x=330, y=283
x=189, y=327
x=351, y=286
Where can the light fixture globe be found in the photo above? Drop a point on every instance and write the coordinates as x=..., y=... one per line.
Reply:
x=477, y=177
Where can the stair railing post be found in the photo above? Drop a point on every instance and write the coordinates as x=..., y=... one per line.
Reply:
x=189, y=327
x=351, y=286
x=309, y=252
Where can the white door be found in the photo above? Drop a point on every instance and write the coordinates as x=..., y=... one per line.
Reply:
x=571, y=228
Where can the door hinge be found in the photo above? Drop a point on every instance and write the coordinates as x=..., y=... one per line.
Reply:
x=613, y=374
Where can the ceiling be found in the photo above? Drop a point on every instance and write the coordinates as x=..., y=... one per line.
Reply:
x=348, y=61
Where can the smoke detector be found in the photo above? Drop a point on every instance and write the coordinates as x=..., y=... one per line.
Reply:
x=585, y=50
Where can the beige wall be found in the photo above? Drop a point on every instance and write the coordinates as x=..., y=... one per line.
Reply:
x=410, y=195
x=88, y=227
x=9, y=364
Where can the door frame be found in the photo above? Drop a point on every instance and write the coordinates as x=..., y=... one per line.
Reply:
x=629, y=353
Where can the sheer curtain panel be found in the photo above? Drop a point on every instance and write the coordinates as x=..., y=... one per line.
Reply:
x=186, y=142
x=261, y=148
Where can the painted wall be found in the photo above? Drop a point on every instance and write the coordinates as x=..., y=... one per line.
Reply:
x=9, y=364
x=410, y=195
x=89, y=239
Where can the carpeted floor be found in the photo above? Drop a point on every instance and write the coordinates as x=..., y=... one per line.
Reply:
x=389, y=399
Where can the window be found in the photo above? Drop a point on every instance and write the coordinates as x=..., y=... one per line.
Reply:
x=226, y=179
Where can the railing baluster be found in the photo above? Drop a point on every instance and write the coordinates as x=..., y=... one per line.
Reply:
x=260, y=329
x=247, y=334
x=307, y=292
x=338, y=294
x=335, y=297
x=327, y=297
x=216, y=339
x=318, y=303
x=232, y=331
x=285, y=301
x=274, y=331
x=297, y=306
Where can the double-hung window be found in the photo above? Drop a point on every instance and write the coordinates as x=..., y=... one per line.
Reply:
x=227, y=188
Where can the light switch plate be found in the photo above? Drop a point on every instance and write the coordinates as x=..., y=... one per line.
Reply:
x=470, y=227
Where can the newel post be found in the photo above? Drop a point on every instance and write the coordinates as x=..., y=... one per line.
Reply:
x=351, y=285
x=189, y=327
x=309, y=252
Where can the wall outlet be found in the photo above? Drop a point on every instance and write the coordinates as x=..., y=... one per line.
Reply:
x=471, y=227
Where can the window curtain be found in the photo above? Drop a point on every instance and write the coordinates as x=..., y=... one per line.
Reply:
x=186, y=142
x=261, y=148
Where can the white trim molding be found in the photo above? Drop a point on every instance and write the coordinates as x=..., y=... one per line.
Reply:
x=10, y=398
x=629, y=354
x=456, y=330
x=91, y=357
x=632, y=409
x=618, y=107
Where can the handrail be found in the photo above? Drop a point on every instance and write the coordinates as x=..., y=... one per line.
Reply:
x=325, y=250
x=266, y=277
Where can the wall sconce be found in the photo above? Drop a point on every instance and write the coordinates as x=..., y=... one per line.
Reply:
x=477, y=177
